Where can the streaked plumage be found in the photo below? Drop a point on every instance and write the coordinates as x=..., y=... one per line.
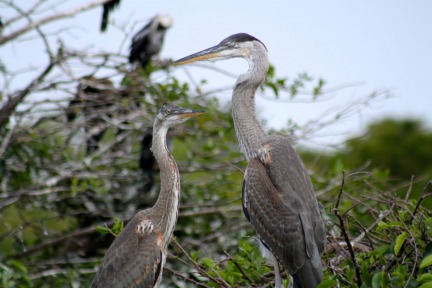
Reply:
x=278, y=197
x=137, y=256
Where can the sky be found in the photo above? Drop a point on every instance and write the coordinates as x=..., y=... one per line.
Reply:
x=366, y=45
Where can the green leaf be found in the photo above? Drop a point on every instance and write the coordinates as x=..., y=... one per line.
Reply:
x=424, y=278
x=18, y=266
x=208, y=262
x=426, y=261
x=426, y=285
x=399, y=242
x=103, y=230
x=118, y=226
x=382, y=225
x=377, y=280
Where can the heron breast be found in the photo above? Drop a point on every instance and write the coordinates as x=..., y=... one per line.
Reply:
x=144, y=227
x=264, y=154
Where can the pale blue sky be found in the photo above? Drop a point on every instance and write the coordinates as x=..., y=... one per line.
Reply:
x=385, y=45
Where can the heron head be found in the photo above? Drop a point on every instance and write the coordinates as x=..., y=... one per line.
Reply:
x=238, y=45
x=171, y=115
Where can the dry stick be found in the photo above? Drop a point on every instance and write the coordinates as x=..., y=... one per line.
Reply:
x=371, y=244
x=220, y=282
x=408, y=193
x=79, y=233
x=422, y=197
x=345, y=233
x=374, y=224
x=178, y=274
x=9, y=107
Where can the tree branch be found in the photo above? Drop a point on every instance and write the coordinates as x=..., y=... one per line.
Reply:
x=51, y=18
x=10, y=106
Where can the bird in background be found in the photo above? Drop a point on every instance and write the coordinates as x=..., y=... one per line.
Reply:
x=94, y=99
x=137, y=256
x=108, y=7
x=148, y=42
x=277, y=194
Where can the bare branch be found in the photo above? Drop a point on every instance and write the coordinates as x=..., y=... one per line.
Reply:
x=345, y=233
x=51, y=18
x=9, y=107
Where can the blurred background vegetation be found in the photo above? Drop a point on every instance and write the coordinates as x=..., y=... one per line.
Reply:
x=70, y=175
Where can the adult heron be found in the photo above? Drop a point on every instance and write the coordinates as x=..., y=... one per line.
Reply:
x=137, y=256
x=278, y=197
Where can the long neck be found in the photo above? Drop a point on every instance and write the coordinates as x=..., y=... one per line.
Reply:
x=249, y=132
x=166, y=206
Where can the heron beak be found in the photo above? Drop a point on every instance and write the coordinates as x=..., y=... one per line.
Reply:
x=189, y=113
x=207, y=54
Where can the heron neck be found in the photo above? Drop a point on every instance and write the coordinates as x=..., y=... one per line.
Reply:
x=166, y=206
x=249, y=132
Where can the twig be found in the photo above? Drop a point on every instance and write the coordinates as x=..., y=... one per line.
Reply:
x=345, y=233
x=178, y=274
x=422, y=197
x=82, y=232
x=221, y=282
x=10, y=106
x=250, y=280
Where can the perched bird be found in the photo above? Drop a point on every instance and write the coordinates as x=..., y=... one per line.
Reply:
x=137, y=256
x=107, y=8
x=278, y=197
x=149, y=40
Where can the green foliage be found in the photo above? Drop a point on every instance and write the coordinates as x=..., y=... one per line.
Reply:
x=115, y=230
x=278, y=85
x=62, y=204
x=388, y=144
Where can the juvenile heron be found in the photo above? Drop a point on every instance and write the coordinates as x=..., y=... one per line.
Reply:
x=278, y=197
x=149, y=40
x=137, y=256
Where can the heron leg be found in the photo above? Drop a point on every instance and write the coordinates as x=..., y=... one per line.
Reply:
x=278, y=276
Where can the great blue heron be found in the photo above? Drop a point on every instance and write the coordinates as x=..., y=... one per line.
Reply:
x=278, y=197
x=108, y=7
x=149, y=40
x=137, y=256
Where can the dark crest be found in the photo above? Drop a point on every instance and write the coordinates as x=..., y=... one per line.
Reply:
x=240, y=37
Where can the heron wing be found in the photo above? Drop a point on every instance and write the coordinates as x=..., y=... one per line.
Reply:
x=291, y=179
x=270, y=217
x=282, y=206
x=133, y=260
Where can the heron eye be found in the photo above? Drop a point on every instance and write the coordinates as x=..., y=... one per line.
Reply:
x=168, y=112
